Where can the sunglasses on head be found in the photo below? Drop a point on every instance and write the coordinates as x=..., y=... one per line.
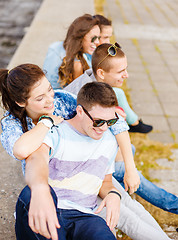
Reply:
x=94, y=38
x=112, y=51
x=101, y=122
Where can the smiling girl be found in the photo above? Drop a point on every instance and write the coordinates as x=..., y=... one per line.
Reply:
x=67, y=60
x=27, y=95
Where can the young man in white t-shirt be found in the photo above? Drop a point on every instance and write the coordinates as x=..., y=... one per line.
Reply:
x=81, y=166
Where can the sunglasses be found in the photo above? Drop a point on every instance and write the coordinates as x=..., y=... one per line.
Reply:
x=94, y=38
x=112, y=51
x=100, y=122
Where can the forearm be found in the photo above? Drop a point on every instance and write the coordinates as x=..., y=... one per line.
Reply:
x=30, y=141
x=37, y=171
x=107, y=186
x=42, y=217
x=131, y=177
x=124, y=143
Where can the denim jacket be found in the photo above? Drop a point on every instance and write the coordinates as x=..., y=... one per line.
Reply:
x=53, y=61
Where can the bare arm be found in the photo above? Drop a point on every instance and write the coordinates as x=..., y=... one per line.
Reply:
x=78, y=69
x=30, y=141
x=42, y=211
x=111, y=201
x=131, y=177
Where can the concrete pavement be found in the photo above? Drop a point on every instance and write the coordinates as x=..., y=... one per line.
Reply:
x=147, y=30
x=148, y=33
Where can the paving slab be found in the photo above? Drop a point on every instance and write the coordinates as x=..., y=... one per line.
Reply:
x=152, y=27
x=165, y=137
x=167, y=175
x=173, y=123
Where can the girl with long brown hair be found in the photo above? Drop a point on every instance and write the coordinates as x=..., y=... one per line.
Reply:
x=67, y=60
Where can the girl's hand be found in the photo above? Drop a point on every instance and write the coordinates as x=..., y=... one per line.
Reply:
x=121, y=112
x=56, y=119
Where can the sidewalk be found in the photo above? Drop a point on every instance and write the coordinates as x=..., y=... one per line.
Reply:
x=148, y=32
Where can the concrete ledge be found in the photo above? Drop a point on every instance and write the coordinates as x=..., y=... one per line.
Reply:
x=50, y=24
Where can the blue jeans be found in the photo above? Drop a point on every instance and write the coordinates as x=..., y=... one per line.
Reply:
x=149, y=191
x=75, y=225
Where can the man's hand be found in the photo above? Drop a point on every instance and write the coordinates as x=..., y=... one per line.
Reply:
x=131, y=181
x=112, y=204
x=42, y=212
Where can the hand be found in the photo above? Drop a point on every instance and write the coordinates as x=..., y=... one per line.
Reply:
x=42, y=213
x=57, y=119
x=112, y=204
x=131, y=181
x=121, y=112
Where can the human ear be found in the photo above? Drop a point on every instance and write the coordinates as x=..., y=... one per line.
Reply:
x=21, y=104
x=100, y=73
x=79, y=110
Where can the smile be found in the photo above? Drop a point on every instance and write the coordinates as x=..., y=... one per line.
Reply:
x=98, y=131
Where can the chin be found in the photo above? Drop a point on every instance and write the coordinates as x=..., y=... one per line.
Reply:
x=97, y=136
x=119, y=85
x=91, y=51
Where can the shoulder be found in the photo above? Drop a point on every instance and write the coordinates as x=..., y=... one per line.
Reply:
x=56, y=46
x=11, y=131
x=65, y=104
x=9, y=121
x=118, y=90
x=64, y=95
x=78, y=69
x=78, y=65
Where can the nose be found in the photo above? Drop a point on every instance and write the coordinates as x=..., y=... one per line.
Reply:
x=50, y=98
x=104, y=127
x=97, y=42
x=126, y=74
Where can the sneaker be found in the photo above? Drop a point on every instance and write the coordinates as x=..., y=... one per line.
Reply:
x=141, y=127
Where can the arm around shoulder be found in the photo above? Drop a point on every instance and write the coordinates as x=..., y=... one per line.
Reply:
x=30, y=141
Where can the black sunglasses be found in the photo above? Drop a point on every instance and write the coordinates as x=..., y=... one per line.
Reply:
x=112, y=51
x=94, y=38
x=100, y=122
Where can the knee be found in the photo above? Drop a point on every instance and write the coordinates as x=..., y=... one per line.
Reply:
x=25, y=195
x=102, y=231
x=103, y=234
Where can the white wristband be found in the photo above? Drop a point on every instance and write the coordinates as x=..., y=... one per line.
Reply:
x=47, y=122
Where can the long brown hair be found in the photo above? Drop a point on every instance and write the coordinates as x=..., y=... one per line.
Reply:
x=15, y=86
x=73, y=46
